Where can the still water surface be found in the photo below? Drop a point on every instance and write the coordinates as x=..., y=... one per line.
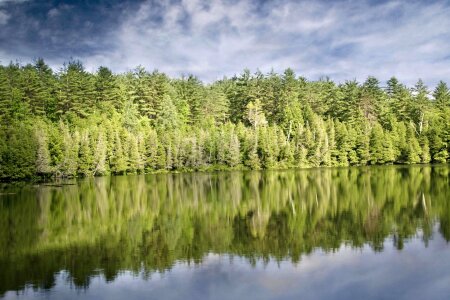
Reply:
x=361, y=233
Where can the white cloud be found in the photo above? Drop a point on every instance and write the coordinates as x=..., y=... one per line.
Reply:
x=54, y=12
x=4, y=17
x=3, y=2
x=343, y=40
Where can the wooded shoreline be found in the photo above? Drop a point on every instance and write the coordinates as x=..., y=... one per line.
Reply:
x=72, y=123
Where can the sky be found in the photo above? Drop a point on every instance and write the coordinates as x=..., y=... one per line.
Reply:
x=342, y=40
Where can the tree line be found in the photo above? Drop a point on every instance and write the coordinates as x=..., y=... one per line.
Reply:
x=75, y=123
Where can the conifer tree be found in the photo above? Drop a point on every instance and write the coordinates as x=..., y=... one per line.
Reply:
x=232, y=155
x=342, y=144
x=376, y=145
x=118, y=159
x=151, y=151
x=105, y=87
x=442, y=95
x=100, y=167
x=134, y=163
x=85, y=155
x=5, y=93
x=413, y=152
x=216, y=104
x=70, y=146
x=363, y=144
x=73, y=122
x=425, y=149
x=43, y=166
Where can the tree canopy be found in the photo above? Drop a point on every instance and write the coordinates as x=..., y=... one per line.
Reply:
x=75, y=123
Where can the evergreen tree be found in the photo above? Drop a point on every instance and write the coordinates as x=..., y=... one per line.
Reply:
x=134, y=163
x=73, y=122
x=413, y=150
x=100, y=167
x=442, y=95
x=232, y=155
x=420, y=104
x=70, y=147
x=5, y=93
x=85, y=155
x=105, y=87
x=425, y=149
x=216, y=104
x=118, y=159
x=43, y=156
x=371, y=99
x=376, y=145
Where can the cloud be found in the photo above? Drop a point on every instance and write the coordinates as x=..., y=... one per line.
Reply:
x=4, y=17
x=342, y=40
x=339, y=39
x=9, y=2
x=413, y=273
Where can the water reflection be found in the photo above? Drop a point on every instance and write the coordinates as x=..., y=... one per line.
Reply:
x=143, y=225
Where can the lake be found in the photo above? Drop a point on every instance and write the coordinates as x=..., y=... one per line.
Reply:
x=332, y=233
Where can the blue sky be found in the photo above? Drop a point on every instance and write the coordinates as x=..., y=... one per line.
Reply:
x=210, y=39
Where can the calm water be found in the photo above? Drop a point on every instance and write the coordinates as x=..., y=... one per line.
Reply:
x=362, y=233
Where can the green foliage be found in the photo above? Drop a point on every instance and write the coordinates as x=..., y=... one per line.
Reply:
x=94, y=124
x=148, y=224
x=18, y=151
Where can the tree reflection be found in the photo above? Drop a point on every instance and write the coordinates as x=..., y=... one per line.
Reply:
x=146, y=223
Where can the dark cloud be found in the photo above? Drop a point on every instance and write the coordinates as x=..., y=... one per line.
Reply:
x=60, y=29
x=340, y=39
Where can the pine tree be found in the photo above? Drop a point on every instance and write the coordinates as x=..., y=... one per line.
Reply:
x=142, y=151
x=216, y=104
x=5, y=93
x=413, y=150
x=237, y=93
x=352, y=154
x=424, y=144
x=134, y=163
x=168, y=118
x=376, y=145
x=388, y=150
x=141, y=121
x=442, y=95
x=363, y=137
x=118, y=160
x=105, y=87
x=342, y=144
x=253, y=160
x=19, y=151
x=76, y=90
x=43, y=166
x=255, y=115
x=420, y=105
x=288, y=110
x=331, y=132
x=47, y=86
x=152, y=144
x=70, y=146
x=232, y=155
x=33, y=92
x=346, y=107
x=190, y=90
x=85, y=155
x=100, y=167
x=371, y=99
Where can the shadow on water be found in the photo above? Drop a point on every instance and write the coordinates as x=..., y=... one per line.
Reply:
x=145, y=224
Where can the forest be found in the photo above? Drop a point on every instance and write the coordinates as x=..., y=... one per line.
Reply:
x=72, y=122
